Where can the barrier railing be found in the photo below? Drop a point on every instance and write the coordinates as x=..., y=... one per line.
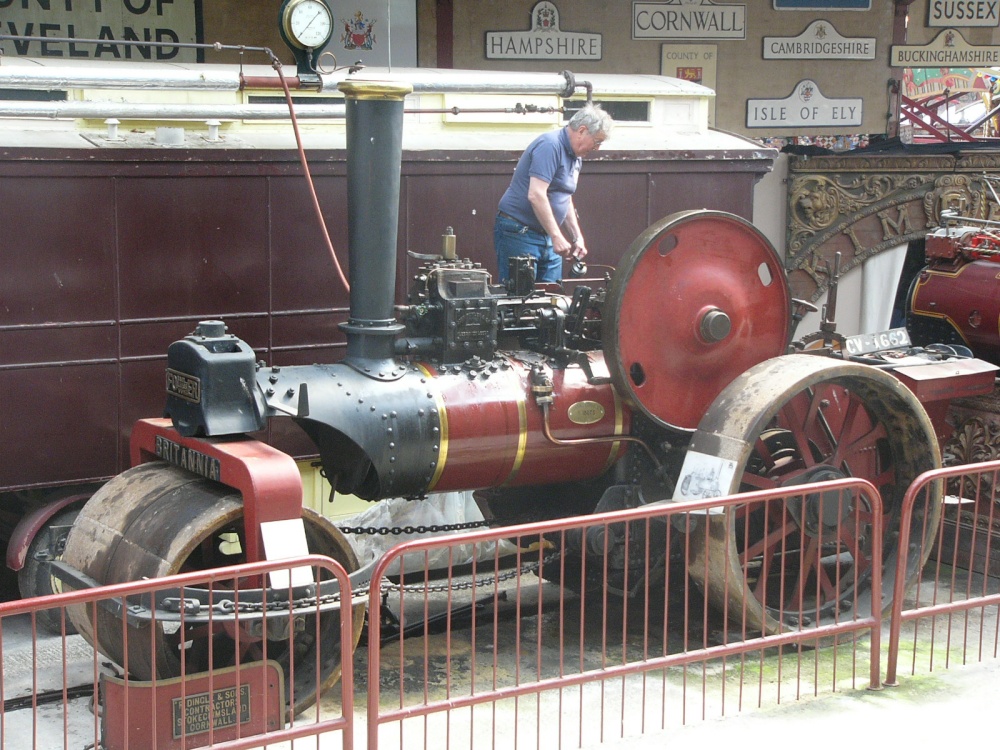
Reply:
x=553, y=633
x=957, y=594
x=200, y=661
x=537, y=648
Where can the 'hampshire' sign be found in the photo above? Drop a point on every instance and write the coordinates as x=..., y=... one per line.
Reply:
x=545, y=40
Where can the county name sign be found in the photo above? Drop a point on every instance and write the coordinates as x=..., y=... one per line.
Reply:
x=948, y=50
x=804, y=107
x=544, y=41
x=688, y=19
x=819, y=41
x=963, y=13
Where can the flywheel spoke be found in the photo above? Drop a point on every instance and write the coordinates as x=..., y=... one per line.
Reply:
x=849, y=539
x=818, y=420
x=808, y=560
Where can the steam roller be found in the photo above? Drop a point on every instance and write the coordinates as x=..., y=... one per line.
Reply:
x=547, y=402
x=156, y=520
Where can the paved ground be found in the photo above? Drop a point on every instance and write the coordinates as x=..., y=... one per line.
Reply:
x=956, y=705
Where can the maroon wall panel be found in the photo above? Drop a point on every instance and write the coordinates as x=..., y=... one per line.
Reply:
x=192, y=244
x=301, y=270
x=58, y=424
x=58, y=248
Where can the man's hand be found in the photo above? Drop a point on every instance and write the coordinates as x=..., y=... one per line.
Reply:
x=562, y=246
x=578, y=250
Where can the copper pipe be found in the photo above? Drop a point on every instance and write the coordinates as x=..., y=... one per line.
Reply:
x=600, y=439
x=309, y=181
x=267, y=82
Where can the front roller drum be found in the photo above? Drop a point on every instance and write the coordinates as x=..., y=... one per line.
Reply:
x=796, y=420
x=156, y=520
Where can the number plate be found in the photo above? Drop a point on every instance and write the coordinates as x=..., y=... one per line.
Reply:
x=866, y=343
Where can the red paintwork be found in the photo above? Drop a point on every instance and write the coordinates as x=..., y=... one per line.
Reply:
x=129, y=705
x=963, y=295
x=714, y=264
x=484, y=430
x=268, y=479
x=29, y=526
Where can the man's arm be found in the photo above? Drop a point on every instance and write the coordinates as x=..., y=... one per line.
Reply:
x=538, y=197
x=573, y=223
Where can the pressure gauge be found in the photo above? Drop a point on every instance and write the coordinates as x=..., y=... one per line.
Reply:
x=307, y=24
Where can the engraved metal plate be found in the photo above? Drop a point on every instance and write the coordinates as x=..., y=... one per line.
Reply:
x=585, y=412
x=184, y=386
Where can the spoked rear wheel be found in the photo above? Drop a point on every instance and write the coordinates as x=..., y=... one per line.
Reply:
x=795, y=421
x=156, y=520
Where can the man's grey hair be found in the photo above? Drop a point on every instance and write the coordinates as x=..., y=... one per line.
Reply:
x=595, y=119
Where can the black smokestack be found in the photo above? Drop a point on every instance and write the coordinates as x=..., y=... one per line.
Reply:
x=374, y=157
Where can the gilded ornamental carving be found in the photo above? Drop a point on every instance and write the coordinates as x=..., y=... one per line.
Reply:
x=862, y=205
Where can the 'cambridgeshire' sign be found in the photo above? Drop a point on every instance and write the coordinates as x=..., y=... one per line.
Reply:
x=820, y=41
x=545, y=40
x=948, y=50
x=804, y=107
x=688, y=19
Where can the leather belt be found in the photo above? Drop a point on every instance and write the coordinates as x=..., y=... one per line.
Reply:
x=524, y=227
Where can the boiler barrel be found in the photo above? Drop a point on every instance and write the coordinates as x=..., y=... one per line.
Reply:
x=451, y=427
x=958, y=306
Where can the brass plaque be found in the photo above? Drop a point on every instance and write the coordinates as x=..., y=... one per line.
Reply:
x=200, y=712
x=184, y=386
x=585, y=412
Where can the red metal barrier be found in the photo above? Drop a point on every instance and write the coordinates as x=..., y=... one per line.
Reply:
x=959, y=591
x=78, y=698
x=510, y=653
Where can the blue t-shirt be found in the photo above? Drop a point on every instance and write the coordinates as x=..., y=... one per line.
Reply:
x=550, y=158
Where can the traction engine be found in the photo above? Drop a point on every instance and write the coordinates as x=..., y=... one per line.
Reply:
x=667, y=379
x=955, y=299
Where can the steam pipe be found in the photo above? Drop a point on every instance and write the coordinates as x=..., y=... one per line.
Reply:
x=49, y=77
x=431, y=81
x=374, y=159
x=130, y=111
x=229, y=78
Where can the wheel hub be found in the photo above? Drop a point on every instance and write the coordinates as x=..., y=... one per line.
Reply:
x=821, y=513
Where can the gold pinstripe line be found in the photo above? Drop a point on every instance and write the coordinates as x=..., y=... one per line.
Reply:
x=442, y=457
x=522, y=438
x=619, y=426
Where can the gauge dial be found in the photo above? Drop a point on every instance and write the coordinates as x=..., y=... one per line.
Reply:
x=308, y=23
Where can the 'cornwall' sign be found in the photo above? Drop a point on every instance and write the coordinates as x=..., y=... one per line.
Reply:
x=688, y=19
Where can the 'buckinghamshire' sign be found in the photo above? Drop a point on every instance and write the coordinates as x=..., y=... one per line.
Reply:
x=948, y=50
